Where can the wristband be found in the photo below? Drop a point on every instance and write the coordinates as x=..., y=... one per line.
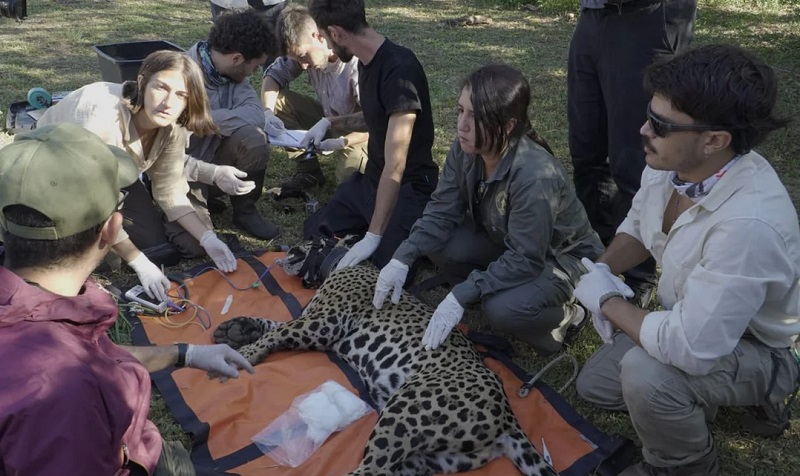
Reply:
x=605, y=297
x=182, y=349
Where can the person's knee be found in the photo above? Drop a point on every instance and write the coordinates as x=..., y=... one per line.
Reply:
x=252, y=148
x=588, y=385
x=642, y=377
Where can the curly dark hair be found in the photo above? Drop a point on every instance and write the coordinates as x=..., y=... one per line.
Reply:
x=246, y=32
x=721, y=84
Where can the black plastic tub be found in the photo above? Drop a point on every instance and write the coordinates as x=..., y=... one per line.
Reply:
x=121, y=61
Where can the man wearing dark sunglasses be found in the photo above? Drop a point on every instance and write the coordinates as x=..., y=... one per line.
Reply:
x=714, y=214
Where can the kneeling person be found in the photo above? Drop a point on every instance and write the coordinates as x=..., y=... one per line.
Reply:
x=237, y=45
x=716, y=217
x=336, y=85
x=72, y=401
x=504, y=219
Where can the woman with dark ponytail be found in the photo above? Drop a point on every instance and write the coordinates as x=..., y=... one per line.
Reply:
x=504, y=222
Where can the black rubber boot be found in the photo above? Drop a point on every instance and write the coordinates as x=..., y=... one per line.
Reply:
x=307, y=175
x=245, y=213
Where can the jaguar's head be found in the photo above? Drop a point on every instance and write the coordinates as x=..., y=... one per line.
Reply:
x=314, y=260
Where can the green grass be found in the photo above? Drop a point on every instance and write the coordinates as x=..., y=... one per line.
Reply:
x=52, y=49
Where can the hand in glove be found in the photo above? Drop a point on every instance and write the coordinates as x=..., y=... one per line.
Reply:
x=316, y=133
x=444, y=319
x=227, y=178
x=153, y=281
x=218, y=251
x=594, y=285
x=618, y=282
x=392, y=278
x=272, y=124
x=219, y=360
x=333, y=144
x=360, y=251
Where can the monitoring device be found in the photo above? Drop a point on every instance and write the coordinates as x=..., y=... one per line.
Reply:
x=138, y=295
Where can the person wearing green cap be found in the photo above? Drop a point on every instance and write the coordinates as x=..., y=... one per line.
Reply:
x=73, y=402
x=151, y=118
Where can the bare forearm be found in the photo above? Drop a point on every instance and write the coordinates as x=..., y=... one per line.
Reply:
x=126, y=250
x=191, y=223
x=156, y=357
x=269, y=93
x=624, y=253
x=349, y=123
x=625, y=317
x=395, y=149
x=385, y=201
x=355, y=138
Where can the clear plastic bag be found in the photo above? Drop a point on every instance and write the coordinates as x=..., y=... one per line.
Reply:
x=295, y=435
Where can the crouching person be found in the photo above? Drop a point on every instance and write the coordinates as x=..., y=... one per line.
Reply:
x=237, y=45
x=504, y=219
x=71, y=401
x=717, y=219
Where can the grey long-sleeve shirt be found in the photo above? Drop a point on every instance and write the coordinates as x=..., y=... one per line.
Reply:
x=233, y=106
x=529, y=208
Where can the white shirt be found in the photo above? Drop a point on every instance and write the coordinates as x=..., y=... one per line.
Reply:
x=729, y=265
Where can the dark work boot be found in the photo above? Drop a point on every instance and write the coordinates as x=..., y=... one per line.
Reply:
x=307, y=175
x=245, y=213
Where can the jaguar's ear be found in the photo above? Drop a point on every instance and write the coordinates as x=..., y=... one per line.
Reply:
x=295, y=258
x=349, y=240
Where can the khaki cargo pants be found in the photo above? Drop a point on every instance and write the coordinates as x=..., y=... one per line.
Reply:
x=669, y=407
x=298, y=111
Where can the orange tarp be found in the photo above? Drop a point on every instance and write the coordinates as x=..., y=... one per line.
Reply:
x=238, y=409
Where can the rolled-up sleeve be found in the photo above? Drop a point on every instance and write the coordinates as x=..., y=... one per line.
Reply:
x=530, y=226
x=167, y=178
x=741, y=260
x=283, y=70
x=199, y=171
x=441, y=216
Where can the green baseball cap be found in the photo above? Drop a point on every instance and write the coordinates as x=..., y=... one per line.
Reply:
x=66, y=173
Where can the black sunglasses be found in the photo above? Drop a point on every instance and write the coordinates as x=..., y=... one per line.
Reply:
x=123, y=195
x=662, y=128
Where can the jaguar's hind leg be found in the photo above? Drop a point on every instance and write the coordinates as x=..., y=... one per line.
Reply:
x=241, y=331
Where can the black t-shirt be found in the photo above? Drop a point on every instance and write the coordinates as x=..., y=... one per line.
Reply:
x=394, y=81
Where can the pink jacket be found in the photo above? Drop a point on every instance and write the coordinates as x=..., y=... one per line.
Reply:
x=70, y=399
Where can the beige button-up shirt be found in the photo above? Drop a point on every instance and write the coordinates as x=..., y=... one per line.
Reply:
x=729, y=265
x=100, y=108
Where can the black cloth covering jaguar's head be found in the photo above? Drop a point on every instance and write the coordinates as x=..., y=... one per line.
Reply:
x=314, y=260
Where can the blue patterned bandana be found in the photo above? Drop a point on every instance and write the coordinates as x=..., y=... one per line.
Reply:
x=214, y=78
x=698, y=190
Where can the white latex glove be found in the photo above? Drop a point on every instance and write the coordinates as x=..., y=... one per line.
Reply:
x=621, y=286
x=360, y=251
x=227, y=178
x=444, y=319
x=218, y=251
x=338, y=143
x=316, y=133
x=153, y=281
x=272, y=124
x=591, y=287
x=219, y=360
x=392, y=278
x=595, y=284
